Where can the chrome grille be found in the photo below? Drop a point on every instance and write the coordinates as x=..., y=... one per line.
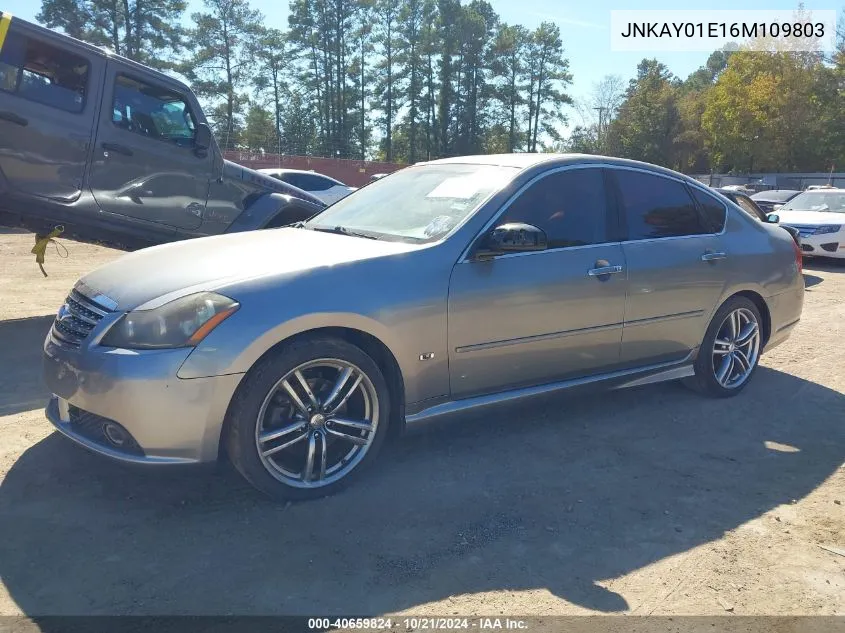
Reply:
x=76, y=318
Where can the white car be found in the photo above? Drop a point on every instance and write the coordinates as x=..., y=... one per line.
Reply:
x=819, y=216
x=325, y=188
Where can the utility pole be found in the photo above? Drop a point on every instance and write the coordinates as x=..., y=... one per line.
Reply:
x=601, y=110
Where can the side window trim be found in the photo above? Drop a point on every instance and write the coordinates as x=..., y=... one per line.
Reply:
x=465, y=255
x=151, y=82
x=623, y=216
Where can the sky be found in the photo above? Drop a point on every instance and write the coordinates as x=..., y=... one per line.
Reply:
x=584, y=26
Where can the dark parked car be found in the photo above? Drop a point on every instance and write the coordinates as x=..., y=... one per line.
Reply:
x=747, y=204
x=117, y=152
x=767, y=200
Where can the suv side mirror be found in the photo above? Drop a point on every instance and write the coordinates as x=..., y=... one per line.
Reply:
x=773, y=218
x=514, y=237
x=202, y=139
x=775, y=207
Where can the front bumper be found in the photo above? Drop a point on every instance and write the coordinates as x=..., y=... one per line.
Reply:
x=173, y=420
x=825, y=245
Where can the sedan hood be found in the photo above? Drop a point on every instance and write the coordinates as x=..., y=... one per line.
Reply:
x=811, y=218
x=153, y=276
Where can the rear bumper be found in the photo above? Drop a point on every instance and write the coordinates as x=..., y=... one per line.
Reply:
x=785, y=313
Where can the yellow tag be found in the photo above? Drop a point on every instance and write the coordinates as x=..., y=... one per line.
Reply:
x=5, y=21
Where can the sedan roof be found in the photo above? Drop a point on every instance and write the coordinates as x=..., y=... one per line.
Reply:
x=526, y=160
x=775, y=195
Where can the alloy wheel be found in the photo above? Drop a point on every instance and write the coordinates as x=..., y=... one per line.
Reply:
x=317, y=423
x=736, y=348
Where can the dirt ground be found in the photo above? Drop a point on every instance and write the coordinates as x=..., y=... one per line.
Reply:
x=646, y=501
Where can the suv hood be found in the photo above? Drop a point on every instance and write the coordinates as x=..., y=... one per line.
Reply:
x=153, y=276
x=812, y=218
x=239, y=172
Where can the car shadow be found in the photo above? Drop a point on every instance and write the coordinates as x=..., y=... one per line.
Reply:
x=21, y=341
x=824, y=264
x=562, y=495
x=811, y=280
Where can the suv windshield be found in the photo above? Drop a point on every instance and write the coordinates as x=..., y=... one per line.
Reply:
x=420, y=204
x=817, y=201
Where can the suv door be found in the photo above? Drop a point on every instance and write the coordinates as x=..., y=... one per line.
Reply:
x=676, y=274
x=531, y=318
x=145, y=165
x=47, y=102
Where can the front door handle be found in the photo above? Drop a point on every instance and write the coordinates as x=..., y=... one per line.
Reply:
x=712, y=257
x=604, y=270
x=115, y=147
x=11, y=117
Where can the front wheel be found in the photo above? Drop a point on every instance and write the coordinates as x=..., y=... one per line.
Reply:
x=731, y=349
x=308, y=419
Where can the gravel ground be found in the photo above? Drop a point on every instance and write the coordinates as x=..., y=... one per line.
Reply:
x=646, y=501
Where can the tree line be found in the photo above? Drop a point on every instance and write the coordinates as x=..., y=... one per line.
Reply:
x=743, y=111
x=409, y=80
x=396, y=80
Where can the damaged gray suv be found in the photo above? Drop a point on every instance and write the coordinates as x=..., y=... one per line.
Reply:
x=447, y=286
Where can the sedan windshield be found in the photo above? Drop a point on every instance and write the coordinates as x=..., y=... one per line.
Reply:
x=817, y=201
x=419, y=204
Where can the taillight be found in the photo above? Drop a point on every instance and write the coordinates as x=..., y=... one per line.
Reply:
x=799, y=257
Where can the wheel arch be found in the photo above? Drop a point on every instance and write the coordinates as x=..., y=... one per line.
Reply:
x=763, y=307
x=371, y=345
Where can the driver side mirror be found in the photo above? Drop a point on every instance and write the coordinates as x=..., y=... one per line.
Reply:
x=773, y=218
x=202, y=139
x=514, y=237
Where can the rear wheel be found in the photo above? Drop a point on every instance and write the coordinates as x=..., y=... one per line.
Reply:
x=308, y=419
x=730, y=351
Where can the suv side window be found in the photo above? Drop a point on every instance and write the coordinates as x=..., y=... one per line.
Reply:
x=308, y=182
x=42, y=73
x=570, y=206
x=294, y=179
x=714, y=211
x=656, y=206
x=319, y=183
x=152, y=111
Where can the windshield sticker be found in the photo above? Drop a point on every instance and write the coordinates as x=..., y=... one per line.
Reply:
x=463, y=187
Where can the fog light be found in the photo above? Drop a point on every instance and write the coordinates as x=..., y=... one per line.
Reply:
x=115, y=434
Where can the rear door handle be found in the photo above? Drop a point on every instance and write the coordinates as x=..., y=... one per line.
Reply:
x=712, y=257
x=120, y=149
x=604, y=270
x=11, y=117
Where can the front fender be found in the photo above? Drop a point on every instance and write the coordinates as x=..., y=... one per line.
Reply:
x=273, y=209
x=204, y=360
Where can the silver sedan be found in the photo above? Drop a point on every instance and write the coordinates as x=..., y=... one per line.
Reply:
x=445, y=287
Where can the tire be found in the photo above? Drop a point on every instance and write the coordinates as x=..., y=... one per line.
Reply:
x=710, y=363
x=263, y=407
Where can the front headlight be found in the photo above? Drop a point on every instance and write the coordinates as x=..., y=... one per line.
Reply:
x=828, y=228
x=180, y=323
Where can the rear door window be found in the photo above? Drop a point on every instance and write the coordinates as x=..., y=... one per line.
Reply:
x=656, y=206
x=42, y=73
